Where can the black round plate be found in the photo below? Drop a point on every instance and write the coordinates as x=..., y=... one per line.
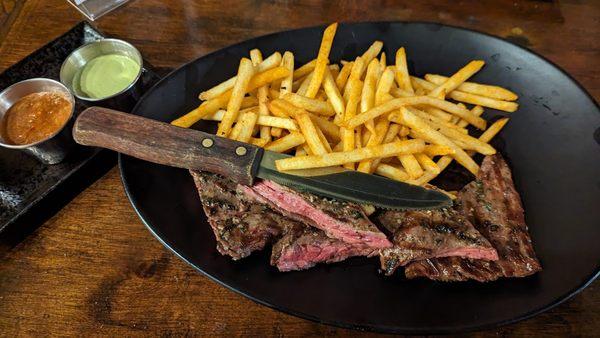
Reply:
x=552, y=143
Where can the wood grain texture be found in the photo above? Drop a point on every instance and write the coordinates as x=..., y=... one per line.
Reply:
x=95, y=269
x=162, y=143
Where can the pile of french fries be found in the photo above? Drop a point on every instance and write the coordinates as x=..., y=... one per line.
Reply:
x=364, y=114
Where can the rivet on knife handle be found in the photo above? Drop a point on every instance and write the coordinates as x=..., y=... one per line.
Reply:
x=163, y=143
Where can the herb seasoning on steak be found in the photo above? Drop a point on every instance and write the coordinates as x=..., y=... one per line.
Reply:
x=494, y=207
x=421, y=234
x=241, y=224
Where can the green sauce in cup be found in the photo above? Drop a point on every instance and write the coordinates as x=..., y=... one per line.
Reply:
x=106, y=75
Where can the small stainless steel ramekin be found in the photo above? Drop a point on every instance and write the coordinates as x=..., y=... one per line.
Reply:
x=54, y=148
x=124, y=100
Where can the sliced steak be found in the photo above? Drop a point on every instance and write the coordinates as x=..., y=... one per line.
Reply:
x=341, y=220
x=302, y=247
x=494, y=207
x=422, y=234
x=241, y=223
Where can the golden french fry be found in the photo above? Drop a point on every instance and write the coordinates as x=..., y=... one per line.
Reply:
x=397, y=92
x=281, y=107
x=276, y=132
x=372, y=52
x=433, y=136
x=404, y=131
x=239, y=90
x=382, y=61
x=271, y=62
x=342, y=78
x=384, y=86
x=304, y=85
x=367, y=100
x=434, y=121
x=323, y=139
x=390, y=135
x=440, y=114
x=494, y=129
x=293, y=139
x=305, y=69
x=333, y=159
x=381, y=128
x=457, y=78
x=437, y=150
x=426, y=163
x=333, y=94
x=259, y=142
x=402, y=77
x=262, y=95
x=287, y=61
x=246, y=124
x=477, y=111
x=311, y=136
x=411, y=165
x=424, y=85
x=300, y=151
x=392, y=172
x=493, y=92
x=484, y=101
x=322, y=60
x=358, y=67
x=312, y=105
x=263, y=120
x=328, y=128
x=398, y=103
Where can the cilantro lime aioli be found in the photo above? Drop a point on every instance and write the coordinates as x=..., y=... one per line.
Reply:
x=106, y=75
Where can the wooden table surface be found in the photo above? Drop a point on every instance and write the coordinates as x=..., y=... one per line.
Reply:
x=93, y=268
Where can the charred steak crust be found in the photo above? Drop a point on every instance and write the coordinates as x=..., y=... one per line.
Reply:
x=241, y=224
x=494, y=207
x=341, y=220
x=421, y=234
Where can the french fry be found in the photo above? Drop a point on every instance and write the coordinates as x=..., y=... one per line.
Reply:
x=258, y=142
x=494, y=129
x=276, y=132
x=434, y=121
x=305, y=69
x=338, y=147
x=322, y=60
x=263, y=120
x=300, y=151
x=311, y=135
x=390, y=135
x=419, y=83
x=411, y=165
x=477, y=111
x=397, y=92
x=358, y=67
x=402, y=77
x=384, y=86
x=246, y=125
x=367, y=100
x=327, y=127
x=342, y=78
x=287, y=61
x=304, y=85
x=353, y=88
x=323, y=139
x=483, y=101
x=239, y=90
x=312, y=105
x=333, y=159
x=433, y=136
x=441, y=114
x=376, y=138
x=282, y=108
x=398, y=103
x=211, y=106
x=372, y=52
x=437, y=150
x=493, y=92
x=426, y=163
x=404, y=131
x=286, y=143
x=382, y=61
x=271, y=62
x=262, y=95
x=392, y=172
x=333, y=94
x=456, y=79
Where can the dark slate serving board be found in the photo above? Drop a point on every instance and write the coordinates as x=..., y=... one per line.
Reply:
x=31, y=192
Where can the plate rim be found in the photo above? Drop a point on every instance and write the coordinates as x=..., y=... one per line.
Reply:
x=373, y=328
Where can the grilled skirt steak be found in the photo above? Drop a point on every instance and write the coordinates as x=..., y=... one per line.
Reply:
x=303, y=247
x=493, y=205
x=341, y=220
x=241, y=224
x=422, y=234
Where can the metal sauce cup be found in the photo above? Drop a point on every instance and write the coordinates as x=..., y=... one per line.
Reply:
x=55, y=148
x=124, y=100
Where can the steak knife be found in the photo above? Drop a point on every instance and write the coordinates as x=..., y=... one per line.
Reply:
x=166, y=144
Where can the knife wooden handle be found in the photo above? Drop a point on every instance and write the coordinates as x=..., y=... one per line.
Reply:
x=166, y=144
